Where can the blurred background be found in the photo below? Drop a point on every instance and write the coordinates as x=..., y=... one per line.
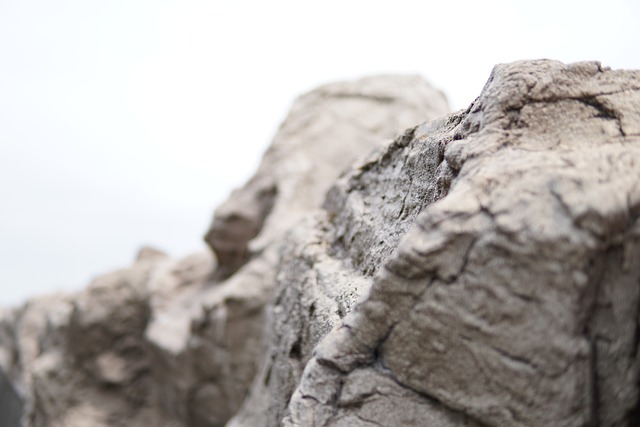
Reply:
x=124, y=123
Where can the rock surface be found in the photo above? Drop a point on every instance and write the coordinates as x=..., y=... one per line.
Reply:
x=177, y=342
x=513, y=297
x=483, y=269
x=326, y=130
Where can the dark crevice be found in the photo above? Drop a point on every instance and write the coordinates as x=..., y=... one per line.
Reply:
x=603, y=111
x=513, y=114
x=295, y=352
x=401, y=215
x=595, y=271
x=312, y=310
x=330, y=364
x=309, y=397
x=465, y=261
x=365, y=420
x=514, y=358
x=357, y=404
x=405, y=139
x=341, y=310
x=267, y=377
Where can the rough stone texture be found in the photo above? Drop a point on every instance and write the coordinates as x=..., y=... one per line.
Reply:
x=327, y=262
x=513, y=299
x=177, y=342
x=483, y=269
x=83, y=358
x=326, y=130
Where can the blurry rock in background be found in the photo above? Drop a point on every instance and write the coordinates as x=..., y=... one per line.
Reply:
x=177, y=342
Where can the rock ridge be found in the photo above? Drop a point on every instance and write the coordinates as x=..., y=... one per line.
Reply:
x=177, y=342
x=504, y=302
x=480, y=269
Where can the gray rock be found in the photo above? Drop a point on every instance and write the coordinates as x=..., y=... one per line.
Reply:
x=97, y=371
x=483, y=269
x=177, y=342
x=328, y=262
x=513, y=299
x=326, y=130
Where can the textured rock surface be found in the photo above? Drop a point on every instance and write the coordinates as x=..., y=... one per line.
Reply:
x=326, y=130
x=483, y=269
x=328, y=261
x=81, y=360
x=177, y=342
x=513, y=299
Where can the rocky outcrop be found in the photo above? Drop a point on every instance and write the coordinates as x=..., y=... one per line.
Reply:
x=483, y=269
x=177, y=342
x=512, y=297
x=80, y=360
x=326, y=130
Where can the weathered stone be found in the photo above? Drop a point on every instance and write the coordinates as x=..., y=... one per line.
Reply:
x=326, y=130
x=177, y=342
x=514, y=298
x=483, y=269
x=80, y=360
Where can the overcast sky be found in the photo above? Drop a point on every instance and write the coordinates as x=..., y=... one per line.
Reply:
x=124, y=123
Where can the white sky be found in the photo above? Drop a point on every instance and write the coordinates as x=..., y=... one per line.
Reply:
x=125, y=123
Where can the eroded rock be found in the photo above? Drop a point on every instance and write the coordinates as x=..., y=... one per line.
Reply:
x=326, y=130
x=513, y=300
x=177, y=342
x=483, y=269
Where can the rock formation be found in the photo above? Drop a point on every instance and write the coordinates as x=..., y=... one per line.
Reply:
x=177, y=342
x=513, y=298
x=483, y=269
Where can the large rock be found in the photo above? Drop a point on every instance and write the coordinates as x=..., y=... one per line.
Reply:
x=483, y=269
x=81, y=359
x=512, y=299
x=177, y=342
x=327, y=262
x=208, y=370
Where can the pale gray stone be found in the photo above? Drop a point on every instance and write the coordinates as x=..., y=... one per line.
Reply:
x=482, y=269
x=514, y=297
x=177, y=342
x=326, y=130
